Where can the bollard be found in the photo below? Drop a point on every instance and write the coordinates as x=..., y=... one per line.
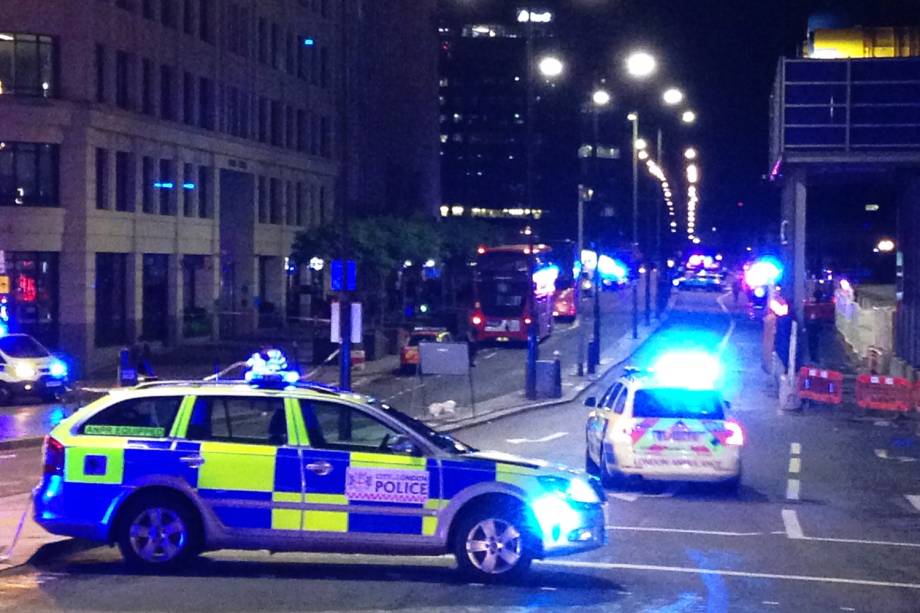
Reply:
x=594, y=357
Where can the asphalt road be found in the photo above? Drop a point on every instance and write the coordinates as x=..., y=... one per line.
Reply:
x=822, y=522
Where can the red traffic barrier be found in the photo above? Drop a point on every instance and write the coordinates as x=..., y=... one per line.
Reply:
x=820, y=385
x=884, y=393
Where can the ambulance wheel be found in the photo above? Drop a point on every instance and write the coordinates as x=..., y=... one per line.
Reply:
x=158, y=533
x=610, y=477
x=494, y=544
x=6, y=394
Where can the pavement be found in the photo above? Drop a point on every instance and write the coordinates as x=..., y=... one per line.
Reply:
x=827, y=519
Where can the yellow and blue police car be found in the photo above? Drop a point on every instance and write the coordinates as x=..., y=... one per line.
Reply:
x=169, y=470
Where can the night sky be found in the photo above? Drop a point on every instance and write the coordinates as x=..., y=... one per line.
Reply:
x=723, y=53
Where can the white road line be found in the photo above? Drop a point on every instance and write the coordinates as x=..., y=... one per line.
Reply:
x=489, y=356
x=683, y=531
x=792, y=489
x=729, y=573
x=625, y=496
x=914, y=500
x=545, y=439
x=795, y=448
x=722, y=304
x=770, y=603
x=881, y=454
x=795, y=465
x=724, y=342
x=847, y=609
x=824, y=539
x=792, y=525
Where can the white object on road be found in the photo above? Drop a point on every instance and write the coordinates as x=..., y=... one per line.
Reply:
x=437, y=409
x=545, y=439
x=914, y=500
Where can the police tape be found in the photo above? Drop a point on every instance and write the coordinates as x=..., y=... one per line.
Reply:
x=7, y=553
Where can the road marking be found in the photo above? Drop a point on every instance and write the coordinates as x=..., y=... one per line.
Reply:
x=722, y=304
x=795, y=448
x=914, y=500
x=625, y=496
x=683, y=531
x=882, y=454
x=489, y=356
x=770, y=603
x=847, y=609
x=547, y=588
x=728, y=573
x=8, y=456
x=795, y=465
x=724, y=342
x=792, y=489
x=545, y=439
x=825, y=539
x=792, y=525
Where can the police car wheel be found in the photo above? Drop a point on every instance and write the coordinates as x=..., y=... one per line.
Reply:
x=493, y=545
x=6, y=394
x=610, y=477
x=157, y=534
x=590, y=465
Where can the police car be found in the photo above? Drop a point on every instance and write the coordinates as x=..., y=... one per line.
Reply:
x=669, y=423
x=27, y=367
x=167, y=470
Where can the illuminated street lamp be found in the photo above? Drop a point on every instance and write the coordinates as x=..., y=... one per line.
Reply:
x=641, y=64
x=690, y=153
x=672, y=96
x=600, y=97
x=550, y=66
x=886, y=245
x=688, y=116
x=641, y=144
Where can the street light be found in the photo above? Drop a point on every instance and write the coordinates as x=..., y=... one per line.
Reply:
x=550, y=66
x=688, y=116
x=672, y=96
x=886, y=245
x=643, y=155
x=641, y=64
x=690, y=153
x=641, y=144
x=634, y=119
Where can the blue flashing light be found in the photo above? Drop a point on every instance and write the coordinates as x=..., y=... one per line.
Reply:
x=269, y=368
x=611, y=268
x=164, y=185
x=691, y=369
x=57, y=369
x=765, y=271
x=309, y=41
x=188, y=186
x=4, y=329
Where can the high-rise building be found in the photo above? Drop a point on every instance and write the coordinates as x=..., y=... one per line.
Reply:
x=158, y=157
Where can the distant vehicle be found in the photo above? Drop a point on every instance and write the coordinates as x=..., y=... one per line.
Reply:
x=27, y=367
x=700, y=280
x=409, y=353
x=513, y=289
x=167, y=471
x=568, y=289
x=669, y=425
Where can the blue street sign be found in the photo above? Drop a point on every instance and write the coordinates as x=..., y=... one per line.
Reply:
x=343, y=278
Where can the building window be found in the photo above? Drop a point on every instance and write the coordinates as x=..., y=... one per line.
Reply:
x=301, y=130
x=204, y=192
x=167, y=93
x=324, y=67
x=147, y=201
x=314, y=65
x=299, y=207
x=276, y=127
x=100, y=73
x=205, y=103
x=188, y=17
x=322, y=205
x=314, y=134
x=290, y=209
x=289, y=127
x=124, y=82
x=262, y=200
x=263, y=119
x=290, y=56
x=188, y=98
x=274, y=201
x=111, y=299
x=326, y=137
x=27, y=65
x=245, y=119
x=166, y=186
x=147, y=87
x=28, y=174
x=124, y=181
x=188, y=190
x=274, y=45
x=263, y=40
x=204, y=20
x=148, y=9
x=168, y=16
x=102, y=179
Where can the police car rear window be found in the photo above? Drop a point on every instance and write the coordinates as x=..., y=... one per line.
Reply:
x=678, y=403
x=138, y=417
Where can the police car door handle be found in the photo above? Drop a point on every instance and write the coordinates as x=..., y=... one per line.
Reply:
x=193, y=461
x=320, y=468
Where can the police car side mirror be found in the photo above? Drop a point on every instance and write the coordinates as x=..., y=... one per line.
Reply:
x=403, y=445
x=591, y=401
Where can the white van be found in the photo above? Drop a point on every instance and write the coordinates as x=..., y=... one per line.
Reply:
x=27, y=367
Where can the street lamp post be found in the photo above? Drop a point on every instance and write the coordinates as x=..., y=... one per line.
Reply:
x=634, y=118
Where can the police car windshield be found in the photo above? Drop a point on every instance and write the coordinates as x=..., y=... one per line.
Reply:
x=442, y=441
x=21, y=346
x=678, y=403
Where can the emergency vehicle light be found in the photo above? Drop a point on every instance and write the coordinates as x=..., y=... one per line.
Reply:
x=696, y=370
x=270, y=368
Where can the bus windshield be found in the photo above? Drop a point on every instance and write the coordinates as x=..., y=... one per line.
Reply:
x=502, y=297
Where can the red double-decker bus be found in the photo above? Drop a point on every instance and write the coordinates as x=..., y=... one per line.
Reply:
x=512, y=289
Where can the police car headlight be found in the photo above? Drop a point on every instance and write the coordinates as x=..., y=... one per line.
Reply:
x=575, y=490
x=25, y=371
